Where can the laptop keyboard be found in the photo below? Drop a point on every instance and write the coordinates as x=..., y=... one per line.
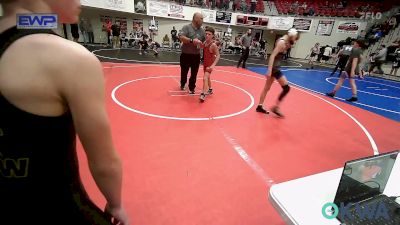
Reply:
x=390, y=205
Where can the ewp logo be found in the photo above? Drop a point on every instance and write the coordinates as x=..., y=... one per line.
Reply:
x=37, y=21
x=363, y=211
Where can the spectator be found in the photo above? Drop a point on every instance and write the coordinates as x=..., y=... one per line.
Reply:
x=253, y=5
x=392, y=22
x=90, y=32
x=327, y=53
x=344, y=3
x=295, y=5
x=116, y=31
x=122, y=38
x=236, y=5
x=262, y=44
x=226, y=4
x=397, y=16
x=385, y=27
x=154, y=46
x=75, y=32
x=396, y=43
x=377, y=35
x=143, y=45
x=108, y=29
x=314, y=52
x=365, y=64
x=379, y=60
x=396, y=62
x=311, y=11
x=83, y=29
x=340, y=5
x=230, y=5
x=304, y=6
x=174, y=34
x=243, y=6
x=361, y=35
x=131, y=40
x=166, y=41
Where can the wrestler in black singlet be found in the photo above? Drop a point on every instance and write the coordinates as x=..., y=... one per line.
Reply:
x=39, y=175
x=276, y=67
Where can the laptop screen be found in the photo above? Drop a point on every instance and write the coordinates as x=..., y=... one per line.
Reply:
x=365, y=178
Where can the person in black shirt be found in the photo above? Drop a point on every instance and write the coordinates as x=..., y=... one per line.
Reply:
x=396, y=62
x=174, y=37
x=143, y=44
x=115, y=28
x=75, y=32
x=51, y=92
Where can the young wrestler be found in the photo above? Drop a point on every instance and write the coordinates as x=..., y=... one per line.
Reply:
x=211, y=58
x=274, y=72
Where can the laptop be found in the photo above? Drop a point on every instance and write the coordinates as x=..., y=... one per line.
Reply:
x=360, y=192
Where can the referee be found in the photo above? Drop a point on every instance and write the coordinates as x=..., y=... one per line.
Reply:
x=246, y=42
x=191, y=36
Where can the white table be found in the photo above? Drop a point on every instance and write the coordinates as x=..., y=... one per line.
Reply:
x=300, y=201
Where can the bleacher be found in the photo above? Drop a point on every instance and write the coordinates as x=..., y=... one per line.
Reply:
x=332, y=8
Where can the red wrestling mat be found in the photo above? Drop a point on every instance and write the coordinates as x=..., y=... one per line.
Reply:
x=187, y=163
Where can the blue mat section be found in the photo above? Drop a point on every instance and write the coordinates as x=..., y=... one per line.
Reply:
x=376, y=95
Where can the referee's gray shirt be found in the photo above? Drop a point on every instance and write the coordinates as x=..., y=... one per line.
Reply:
x=192, y=33
x=246, y=40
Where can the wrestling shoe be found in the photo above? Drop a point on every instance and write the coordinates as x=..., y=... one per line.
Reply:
x=330, y=94
x=352, y=99
x=277, y=111
x=260, y=109
x=202, y=97
x=192, y=92
x=210, y=91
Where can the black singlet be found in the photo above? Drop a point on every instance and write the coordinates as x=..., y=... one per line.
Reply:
x=39, y=174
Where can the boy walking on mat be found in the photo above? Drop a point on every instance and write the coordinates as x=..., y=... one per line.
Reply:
x=211, y=58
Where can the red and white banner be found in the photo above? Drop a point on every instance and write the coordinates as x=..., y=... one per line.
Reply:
x=347, y=27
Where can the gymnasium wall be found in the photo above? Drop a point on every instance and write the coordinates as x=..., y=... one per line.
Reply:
x=301, y=50
x=165, y=24
x=308, y=39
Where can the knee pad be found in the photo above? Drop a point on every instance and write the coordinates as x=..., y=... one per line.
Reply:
x=286, y=88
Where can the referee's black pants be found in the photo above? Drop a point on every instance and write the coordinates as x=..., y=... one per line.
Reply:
x=192, y=62
x=245, y=55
